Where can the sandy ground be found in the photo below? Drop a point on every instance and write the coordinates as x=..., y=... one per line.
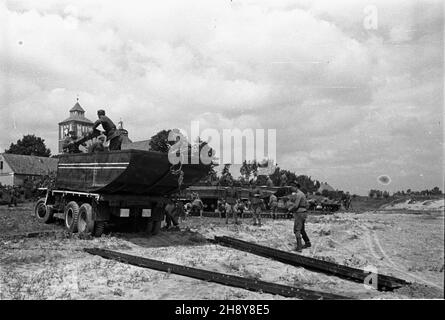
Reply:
x=408, y=246
x=423, y=205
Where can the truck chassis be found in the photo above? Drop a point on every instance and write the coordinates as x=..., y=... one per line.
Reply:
x=89, y=213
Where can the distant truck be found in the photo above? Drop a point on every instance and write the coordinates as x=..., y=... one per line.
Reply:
x=93, y=189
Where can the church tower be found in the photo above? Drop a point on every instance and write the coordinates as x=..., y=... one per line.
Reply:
x=75, y=122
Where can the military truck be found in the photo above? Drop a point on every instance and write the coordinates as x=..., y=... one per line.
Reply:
x=94, y=189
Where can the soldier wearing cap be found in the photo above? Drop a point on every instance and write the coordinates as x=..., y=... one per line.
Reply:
x=230, y=205
x=257, y=207
x=273, y=205
x=113, y=134
x=298, y=206
x=98, y=146
x=68, y=144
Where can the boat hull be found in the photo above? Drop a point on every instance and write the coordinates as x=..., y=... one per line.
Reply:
x=134, y=172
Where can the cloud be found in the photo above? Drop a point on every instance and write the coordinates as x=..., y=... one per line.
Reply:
x=348, y=103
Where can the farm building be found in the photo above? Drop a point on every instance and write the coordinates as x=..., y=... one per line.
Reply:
x=15, y=169
x=325, y=186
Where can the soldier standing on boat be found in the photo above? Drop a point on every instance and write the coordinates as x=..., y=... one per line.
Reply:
x=114, y=136
x=98, y=146
x=69, y=145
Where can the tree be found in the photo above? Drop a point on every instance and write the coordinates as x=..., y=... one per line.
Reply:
x=436, y=190
x=29, y=145
x=159, y=142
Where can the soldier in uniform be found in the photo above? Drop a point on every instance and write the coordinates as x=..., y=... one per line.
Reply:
x=68, y=144
x=230, y=203
x=154, y=222
x=257, y=207
x=113, y=134
x=347, y=201
x=273, y=205
x=197, y=205
x=98, y=146
x=298, y=206
x=240, y=206
x=171, y=216
x=14, y=194
x=221, y=208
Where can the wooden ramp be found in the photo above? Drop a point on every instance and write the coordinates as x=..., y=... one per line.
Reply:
x=230, y=280
x=384, y=283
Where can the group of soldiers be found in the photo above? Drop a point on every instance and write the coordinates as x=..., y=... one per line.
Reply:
x=10, y=195
x=170, y=211
x=296, y=207
x=111, y=134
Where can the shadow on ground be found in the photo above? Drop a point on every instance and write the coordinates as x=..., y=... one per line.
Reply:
x=164, y=238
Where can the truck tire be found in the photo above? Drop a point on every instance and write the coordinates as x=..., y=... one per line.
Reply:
x=42, y=212
x=85, y=222
x=99, y=227
x=71, y=216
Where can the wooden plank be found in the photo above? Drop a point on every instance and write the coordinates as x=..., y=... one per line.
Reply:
x=226, y=279
x=384, y=282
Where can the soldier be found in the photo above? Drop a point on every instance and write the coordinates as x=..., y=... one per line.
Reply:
x=257, y=207
x=240, y=207
x=68, y=144
x=229, y=211
x=98, y=146
x=273, y=205
x=171, y=216
x=113, y=135
x=13, y=195
x=221, y=208
x=230, y=203
x=180, y=210
x=347, y=201
x=197, y=205
x=298, y=206
x=154, y=222
x=188, y=209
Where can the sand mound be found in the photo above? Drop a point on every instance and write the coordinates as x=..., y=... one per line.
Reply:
x=422, y=205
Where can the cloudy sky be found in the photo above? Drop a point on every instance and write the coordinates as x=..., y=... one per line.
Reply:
x=354, y=91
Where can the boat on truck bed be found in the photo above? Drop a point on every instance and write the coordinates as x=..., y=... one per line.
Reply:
x=93, y=189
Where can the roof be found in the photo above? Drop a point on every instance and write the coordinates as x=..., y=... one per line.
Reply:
x=325, y=186
x=126, y=140
x=77, y=107
x=77, y=117
x=138, y=145
x=30, y=165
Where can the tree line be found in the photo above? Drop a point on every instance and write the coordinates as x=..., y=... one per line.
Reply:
x=385, y=194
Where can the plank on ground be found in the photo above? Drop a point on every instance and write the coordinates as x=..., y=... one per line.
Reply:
x=231, y=280
x=384, y=282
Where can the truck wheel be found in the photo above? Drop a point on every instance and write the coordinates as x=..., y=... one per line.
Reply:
x=99, y=227
x=71, y=216
x=85, y=223
x=43, y=212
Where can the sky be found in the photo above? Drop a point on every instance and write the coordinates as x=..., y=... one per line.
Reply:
x=354, y=89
